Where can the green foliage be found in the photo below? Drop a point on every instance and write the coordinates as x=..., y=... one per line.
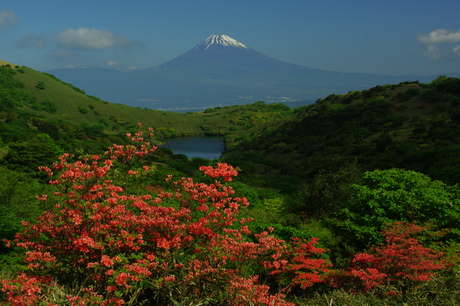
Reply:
x=276, y=205
x=438, y=81
x=328, y=191
x=46, y=105
x=450, y=85
x=366, y=126
x=317, y=141
x=409, y=94
x=253, y=194
x=6, y=79
x=442, y=89
x=83, y=110
x=441, y=107
x=46, y=127
x=40, y=85
x=387, y=196
x=442, y=290
x=27, y=156
x=434, y=96
x=17, y=202
x=20, y=98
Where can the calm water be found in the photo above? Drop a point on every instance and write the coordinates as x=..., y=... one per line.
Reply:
x=204, y=147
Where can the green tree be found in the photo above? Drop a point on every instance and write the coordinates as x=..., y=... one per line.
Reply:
x=386, y=196
x=82, y=110
x=27, y=156
x=46, y=105
x=40, y=85
x=17, y=202
x=327, y=192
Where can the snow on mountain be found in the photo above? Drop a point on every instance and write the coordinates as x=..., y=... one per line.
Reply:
x=223, y=40
x=220, y=71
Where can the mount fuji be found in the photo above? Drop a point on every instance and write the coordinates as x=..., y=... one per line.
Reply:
x=219, y=71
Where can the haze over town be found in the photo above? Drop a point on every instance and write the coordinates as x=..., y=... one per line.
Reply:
x=382, y=37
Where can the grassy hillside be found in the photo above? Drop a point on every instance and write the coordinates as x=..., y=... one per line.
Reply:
x=76, y=107
x=73, y=106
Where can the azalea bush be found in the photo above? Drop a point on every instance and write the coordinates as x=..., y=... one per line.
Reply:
x=402, y=261
x=302, y=265
x=109, y=243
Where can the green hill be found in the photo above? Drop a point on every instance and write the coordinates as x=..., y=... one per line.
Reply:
x=40, y=99
x=409, y=125
x=74, y=106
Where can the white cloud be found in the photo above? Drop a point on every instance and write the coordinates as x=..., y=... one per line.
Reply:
x=433, y=52
x=456, y=50
x=32, y=40
x=93, y=39
x=440, y=36
x=131, y=67
x=111, y=63
x=7, y=17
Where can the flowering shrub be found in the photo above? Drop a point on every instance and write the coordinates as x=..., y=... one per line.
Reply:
x=223, y=170
x=24, y=289
x=401, y=261
x=185, y=246
x=247, y=292
x=300, y=266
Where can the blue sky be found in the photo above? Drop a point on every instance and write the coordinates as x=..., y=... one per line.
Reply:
x=384, y=37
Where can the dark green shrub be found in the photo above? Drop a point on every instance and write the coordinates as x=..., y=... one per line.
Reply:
x=46, y=105
x=82, y=110
x=40, y=85
x=441, y=107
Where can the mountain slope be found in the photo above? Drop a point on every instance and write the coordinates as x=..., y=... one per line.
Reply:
x=38, y=97
x=411, y=126
x=220, y=71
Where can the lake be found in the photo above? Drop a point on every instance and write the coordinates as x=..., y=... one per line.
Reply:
x=204, y=147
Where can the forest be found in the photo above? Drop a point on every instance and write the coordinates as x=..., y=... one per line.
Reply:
x=352, y=200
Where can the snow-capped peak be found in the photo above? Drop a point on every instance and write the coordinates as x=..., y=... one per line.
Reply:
x=221, y=40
